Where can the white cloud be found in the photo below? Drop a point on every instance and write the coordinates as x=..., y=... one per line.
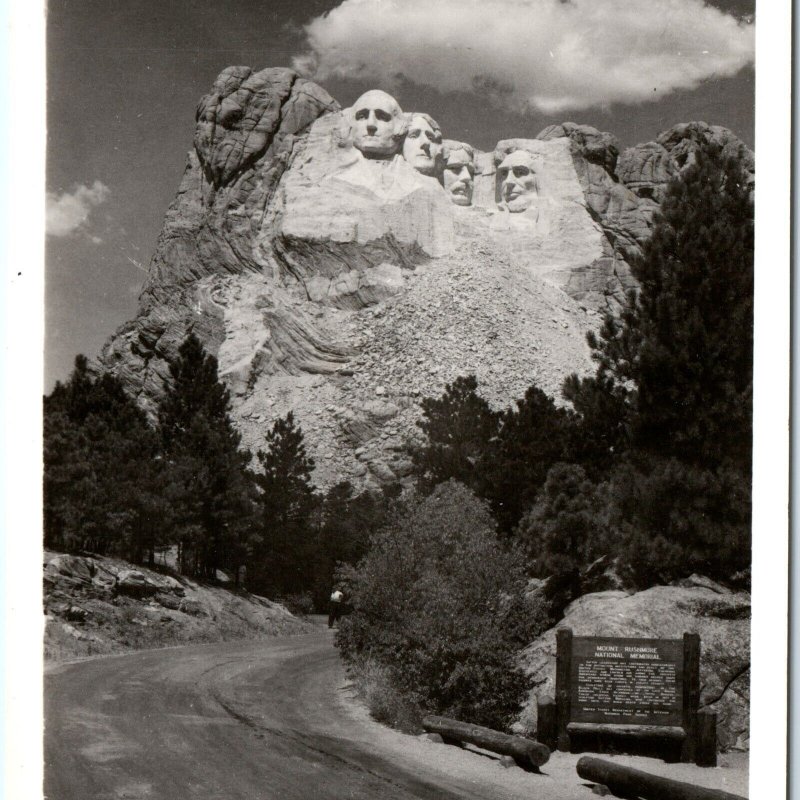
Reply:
x=552, y=55
x=67, y=212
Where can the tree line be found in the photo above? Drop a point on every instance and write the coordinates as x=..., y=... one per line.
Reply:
x=117, y=484
x=648, y=464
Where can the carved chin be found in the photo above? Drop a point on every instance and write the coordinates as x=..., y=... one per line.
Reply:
x=518, y=203
x=425, y=165
x=425, y=169
x=462, y=198
x=373, y=148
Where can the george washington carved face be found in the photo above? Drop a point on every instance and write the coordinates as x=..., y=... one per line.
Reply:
x=517, y=181
x=459, y=173
x=377, y=124
x=422, y=147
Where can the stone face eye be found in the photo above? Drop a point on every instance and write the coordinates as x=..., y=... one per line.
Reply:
x=521, y=172
x=382, y=115
x=362, y=113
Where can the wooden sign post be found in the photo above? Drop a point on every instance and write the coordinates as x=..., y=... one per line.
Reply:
x=615, y=693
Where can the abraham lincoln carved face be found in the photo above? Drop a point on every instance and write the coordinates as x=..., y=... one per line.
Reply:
x=517, y=181
x=377, y=124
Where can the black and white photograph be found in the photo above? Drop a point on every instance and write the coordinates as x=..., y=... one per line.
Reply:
x=409, y=400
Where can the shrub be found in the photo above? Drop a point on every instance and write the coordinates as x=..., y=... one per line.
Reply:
x=565, y=530
x=300, y=604
x=439, y=603
x=377, y=687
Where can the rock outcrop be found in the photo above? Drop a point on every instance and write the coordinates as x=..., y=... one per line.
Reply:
x=96, y=605
x=333, y=279
x=696, y=605
x=647, y=168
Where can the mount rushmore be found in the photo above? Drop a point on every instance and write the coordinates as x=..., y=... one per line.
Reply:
x=345, y=263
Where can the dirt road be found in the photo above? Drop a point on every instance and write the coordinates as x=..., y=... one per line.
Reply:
x=223, y=721
x=268, y=720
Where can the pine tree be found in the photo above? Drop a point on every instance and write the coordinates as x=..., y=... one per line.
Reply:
x=102, y=471
x=532, y=437
x=208, y=482
x=458, y=426
x=347, y=523
x=695, y=320
x=669, y=411
x=564, y=530
x=605, y=403
x=284, y=558
x=676, y=369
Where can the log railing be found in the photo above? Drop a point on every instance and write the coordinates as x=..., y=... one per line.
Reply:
x=628, y=782
x=525, y=752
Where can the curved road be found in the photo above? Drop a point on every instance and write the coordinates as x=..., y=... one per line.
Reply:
x=226, y=721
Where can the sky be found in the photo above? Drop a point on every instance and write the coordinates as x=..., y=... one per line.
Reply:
x=124, y=79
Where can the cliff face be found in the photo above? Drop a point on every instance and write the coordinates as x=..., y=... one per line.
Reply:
x=347, y=288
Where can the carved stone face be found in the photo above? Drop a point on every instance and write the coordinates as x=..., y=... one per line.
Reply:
x=422, y=147
x=377, y=124
x=459, y=177
x=517, y=181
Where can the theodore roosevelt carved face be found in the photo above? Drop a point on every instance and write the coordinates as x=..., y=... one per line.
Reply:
x=422, y=147
x=517, y=181
x=377, y=124
x=459, y=173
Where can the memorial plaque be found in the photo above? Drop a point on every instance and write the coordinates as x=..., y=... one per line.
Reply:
x=626, y=681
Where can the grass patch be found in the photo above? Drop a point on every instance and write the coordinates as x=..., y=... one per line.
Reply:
x=386, y=704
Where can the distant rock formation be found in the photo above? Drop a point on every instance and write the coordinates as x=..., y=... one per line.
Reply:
x=334, y=278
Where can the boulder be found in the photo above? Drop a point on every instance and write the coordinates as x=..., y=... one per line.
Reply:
x=245, y=112
x=72, y=569
x=134, y=583
x=596, y=147
x=168, y=600
x=647, y=168
x=720, y=616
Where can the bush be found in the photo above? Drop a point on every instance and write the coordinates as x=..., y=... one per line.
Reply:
x=565, y=530
x=439, y=603
x=377, y=687
x=301, y=604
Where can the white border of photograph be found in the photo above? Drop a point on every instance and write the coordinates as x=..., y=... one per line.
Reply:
x=23, y=139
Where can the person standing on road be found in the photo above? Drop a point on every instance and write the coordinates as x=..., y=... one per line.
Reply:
x=337, y=598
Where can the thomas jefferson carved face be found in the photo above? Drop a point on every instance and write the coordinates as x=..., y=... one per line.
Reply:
x=422, y=147
x=517, y=181
x=377, y=124
x=459, y=176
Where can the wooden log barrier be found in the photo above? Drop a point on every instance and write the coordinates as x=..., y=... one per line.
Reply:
x=524, y=751
x=629, y=782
